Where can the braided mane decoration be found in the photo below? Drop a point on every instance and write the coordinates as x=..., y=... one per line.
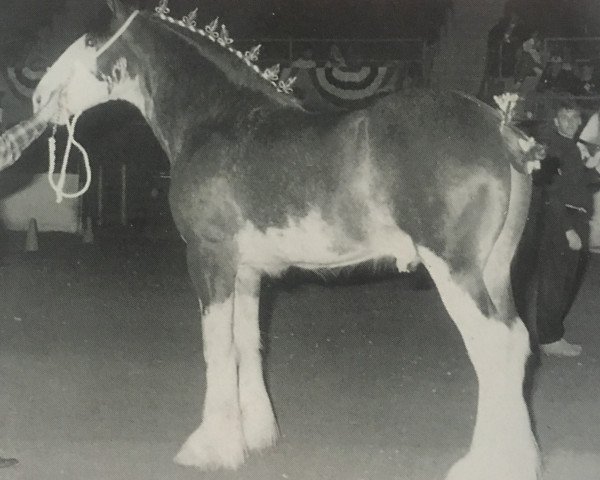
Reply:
x=211, y=32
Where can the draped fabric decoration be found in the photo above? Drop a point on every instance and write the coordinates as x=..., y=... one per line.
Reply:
x=342, y=86
x=22, y=81
x=18, y=85
x=346, y=87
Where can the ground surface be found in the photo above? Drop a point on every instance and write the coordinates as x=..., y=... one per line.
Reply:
x=102, y=373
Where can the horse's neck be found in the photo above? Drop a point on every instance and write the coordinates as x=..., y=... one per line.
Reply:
x=181, y=111
x=202, y=94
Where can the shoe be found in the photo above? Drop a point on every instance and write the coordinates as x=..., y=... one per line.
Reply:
x=7, y=462
x=561, y=348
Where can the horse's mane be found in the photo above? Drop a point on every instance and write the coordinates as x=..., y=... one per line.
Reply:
x=235, y=70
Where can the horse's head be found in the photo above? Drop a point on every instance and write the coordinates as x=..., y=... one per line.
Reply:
x=96, y=68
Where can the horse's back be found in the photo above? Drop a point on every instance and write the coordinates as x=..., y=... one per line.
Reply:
x=436, y=160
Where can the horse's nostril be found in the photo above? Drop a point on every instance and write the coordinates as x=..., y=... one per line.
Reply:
x=38, y=99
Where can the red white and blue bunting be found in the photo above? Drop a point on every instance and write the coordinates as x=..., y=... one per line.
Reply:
x=22, y=81
x=344, y=87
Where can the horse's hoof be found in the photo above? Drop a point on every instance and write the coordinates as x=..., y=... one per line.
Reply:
x=258, y=421
x=473, y=467
x=8, y=462
x=260, y=435
x=212, y=449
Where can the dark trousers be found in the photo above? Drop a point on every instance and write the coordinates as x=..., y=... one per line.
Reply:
x=524, y=268
x=559, y=274
x=546, y=273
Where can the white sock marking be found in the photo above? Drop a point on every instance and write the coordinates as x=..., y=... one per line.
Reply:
x=258, y=420
x=503, y=445
x=219, y=441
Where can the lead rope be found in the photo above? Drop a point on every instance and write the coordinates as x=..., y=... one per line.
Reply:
x=59, y=185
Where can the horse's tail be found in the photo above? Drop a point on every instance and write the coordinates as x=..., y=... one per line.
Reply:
x=497, y=271
x=525, y=153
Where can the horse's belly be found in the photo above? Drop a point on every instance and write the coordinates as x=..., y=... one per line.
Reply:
x=313, y=243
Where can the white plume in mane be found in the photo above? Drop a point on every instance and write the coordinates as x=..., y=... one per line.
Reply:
x=507, y=103
x=190, y=18
x=222, y=37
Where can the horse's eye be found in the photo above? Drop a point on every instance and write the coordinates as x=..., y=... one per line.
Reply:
x=90, y=41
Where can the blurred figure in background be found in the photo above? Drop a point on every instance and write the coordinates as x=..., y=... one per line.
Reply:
x=590, y=138
x=528, y=72
x=504, y=40
x=588, y=80
x=336, y=59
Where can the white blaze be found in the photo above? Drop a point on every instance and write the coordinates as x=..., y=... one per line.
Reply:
x=73, y=75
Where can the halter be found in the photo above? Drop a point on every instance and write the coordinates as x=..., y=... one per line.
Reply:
x=59, y=185
x=210, y=31
x=117, y=34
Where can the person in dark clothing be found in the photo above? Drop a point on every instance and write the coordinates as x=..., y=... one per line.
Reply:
x=504, y=40
x=567, y=206
x=559, y=77
x=589, y=84
x=528, y=71
x=529, y=61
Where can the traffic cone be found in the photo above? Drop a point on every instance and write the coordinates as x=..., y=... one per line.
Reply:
x=31, y=242
x=88, y=231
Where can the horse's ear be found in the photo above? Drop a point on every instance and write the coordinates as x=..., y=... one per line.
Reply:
x=111, y=5
x=117, y=7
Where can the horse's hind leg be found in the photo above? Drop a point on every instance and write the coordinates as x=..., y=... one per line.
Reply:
x=258, y=421
x=503, y=446
x=219, y=441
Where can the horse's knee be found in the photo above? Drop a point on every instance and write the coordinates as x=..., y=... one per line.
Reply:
x=212, y=269
x=246, y=324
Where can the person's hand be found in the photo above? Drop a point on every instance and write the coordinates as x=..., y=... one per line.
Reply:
x=48, y=111
x=591, y=161
x=594, y=160
x=55, y=110
x=574, y=240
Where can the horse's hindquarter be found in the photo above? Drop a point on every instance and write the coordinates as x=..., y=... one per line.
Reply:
x=453, y=191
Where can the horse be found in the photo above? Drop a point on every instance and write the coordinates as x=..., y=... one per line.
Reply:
x=259, y=184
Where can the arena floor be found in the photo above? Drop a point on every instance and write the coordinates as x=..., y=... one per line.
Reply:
x=101, y=362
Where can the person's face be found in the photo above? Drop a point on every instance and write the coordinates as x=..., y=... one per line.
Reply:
x=567, y=122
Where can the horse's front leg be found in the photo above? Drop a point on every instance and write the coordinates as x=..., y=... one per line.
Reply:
x=219, y=441
x=258, y=420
